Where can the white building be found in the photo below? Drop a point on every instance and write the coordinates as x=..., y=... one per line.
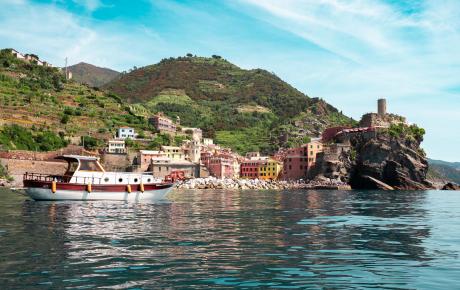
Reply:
x=126, y=132
x=17, y=54
x=208, y=141
x=116, y=146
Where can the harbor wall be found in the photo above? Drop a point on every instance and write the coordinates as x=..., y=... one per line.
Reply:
x=17, y=167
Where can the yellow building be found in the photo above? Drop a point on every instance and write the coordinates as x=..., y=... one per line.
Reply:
x=270, y=169
x=173, y=152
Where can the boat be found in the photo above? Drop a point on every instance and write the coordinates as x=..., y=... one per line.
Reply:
x=86, y=179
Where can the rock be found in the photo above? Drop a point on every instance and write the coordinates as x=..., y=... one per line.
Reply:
x=378, y=162
x=451, y=186
x=379, y=184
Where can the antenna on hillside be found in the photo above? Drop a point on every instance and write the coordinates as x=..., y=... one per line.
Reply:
x=66, y=74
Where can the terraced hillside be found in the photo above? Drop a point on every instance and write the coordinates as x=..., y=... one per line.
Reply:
x=243, y=109
x=39, y=98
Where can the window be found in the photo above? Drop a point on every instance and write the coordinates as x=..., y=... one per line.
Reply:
x=89, y=165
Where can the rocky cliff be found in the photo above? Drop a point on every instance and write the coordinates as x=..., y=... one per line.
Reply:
x=382, y=161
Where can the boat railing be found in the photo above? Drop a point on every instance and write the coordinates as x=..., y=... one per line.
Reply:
x=62, y=178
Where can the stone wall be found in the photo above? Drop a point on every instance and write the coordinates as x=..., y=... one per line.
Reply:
x=116, y=162
x=376, y=120
x=17, y=167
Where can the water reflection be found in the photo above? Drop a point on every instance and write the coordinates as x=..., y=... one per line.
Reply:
x=315, y=239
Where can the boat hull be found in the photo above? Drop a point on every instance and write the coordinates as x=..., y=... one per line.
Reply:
x=151, y=192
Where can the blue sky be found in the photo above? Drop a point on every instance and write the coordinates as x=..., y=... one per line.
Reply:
x=348, y=52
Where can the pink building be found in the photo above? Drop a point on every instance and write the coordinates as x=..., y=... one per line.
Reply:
x=144, y=158
x=222, y=164
x=221, y=167
x=299, y=162
x=163, y=123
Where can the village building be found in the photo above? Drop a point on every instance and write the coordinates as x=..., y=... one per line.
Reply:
x=163, y=166
x=144, y=158
x=174, y=152
x=221, y=163
x=250, y=169
x=116, y=147
x=163, y=124
x=300, y=162
x=126, y=132
x=221, y=167
x=208, y=141
x=17, y=54
x=192, y=150
x=32, y=58
x=329, y=134
x=270, y=169
x=252, y=155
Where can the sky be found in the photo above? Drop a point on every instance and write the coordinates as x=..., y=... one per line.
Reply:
x=349, y=53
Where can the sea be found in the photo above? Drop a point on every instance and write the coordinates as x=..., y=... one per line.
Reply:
x=217, y=239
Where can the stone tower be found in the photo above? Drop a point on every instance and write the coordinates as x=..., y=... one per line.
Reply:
x=195, y=150
x=382, y=106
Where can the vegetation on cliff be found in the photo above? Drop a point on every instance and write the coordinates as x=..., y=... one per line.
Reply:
x=20, y=138
x=4, y=173
x=408, y=132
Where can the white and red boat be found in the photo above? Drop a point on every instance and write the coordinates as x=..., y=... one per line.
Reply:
x=86, y=179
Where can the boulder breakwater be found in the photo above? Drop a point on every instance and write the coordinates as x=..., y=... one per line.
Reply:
x=257, y=184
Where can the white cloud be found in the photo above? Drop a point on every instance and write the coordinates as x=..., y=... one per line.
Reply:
x=55, y=34
x=410, y=58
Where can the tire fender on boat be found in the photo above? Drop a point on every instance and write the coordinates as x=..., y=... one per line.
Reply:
x=141, y=187
x=128, y=188
x=88, y=187
x=53, y=186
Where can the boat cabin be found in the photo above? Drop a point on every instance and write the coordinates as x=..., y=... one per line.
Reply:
x=87, y=169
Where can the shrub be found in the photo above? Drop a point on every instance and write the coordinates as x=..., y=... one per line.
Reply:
x=17, y=137
x=65, y=119
x=90, y=143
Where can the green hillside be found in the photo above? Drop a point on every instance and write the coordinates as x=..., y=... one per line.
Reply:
x=40, y=100
x=243, y=109
x=445, y=171
x=246, y=110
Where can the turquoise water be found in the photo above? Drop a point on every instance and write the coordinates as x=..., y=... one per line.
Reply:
x=223, y=239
